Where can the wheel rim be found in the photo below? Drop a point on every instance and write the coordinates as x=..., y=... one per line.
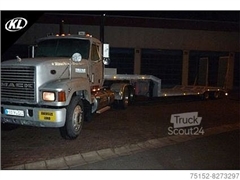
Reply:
x=77, y=118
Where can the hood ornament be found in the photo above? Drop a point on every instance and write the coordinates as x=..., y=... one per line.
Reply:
x=18, y=59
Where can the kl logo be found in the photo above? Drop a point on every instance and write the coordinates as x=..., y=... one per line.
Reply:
x=16, y=24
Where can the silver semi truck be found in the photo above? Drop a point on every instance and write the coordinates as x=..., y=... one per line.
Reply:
x=65, y=82
x=61, y=85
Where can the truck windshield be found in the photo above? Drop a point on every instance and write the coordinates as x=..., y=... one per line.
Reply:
x=63, y=48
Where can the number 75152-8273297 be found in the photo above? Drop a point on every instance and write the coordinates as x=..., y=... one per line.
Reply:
x=214, y=175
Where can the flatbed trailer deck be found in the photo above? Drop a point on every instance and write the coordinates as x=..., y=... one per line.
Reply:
x=149, y=85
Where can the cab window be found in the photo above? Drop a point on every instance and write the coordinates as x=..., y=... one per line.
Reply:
x=95, y=52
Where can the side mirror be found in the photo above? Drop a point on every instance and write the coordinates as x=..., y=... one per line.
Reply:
x=106, y=59
x=106, y=50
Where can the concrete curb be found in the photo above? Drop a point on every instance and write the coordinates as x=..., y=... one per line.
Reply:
x=103, y=154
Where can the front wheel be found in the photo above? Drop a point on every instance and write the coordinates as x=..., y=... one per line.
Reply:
x=74, y=119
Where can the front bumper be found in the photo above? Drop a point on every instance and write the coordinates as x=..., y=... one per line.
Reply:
x=33, y=116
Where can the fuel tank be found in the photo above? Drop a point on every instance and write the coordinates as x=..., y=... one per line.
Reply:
x=102, y=98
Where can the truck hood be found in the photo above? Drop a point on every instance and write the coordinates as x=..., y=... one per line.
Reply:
x=46, y=65
x=35, y=61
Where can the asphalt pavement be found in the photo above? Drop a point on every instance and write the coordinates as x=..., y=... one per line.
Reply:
x=142, y=127
x=216, y=152
x=219, y=152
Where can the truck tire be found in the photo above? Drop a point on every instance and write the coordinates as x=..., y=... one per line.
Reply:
x=74, y=119
x=131, y=95
x=87, y=111
x=123, y=104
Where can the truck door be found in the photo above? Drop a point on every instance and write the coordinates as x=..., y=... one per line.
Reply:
x=96, y=65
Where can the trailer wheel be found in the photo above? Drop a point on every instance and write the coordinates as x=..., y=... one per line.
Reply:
x=205, y=95
x=216, y=95
x=125, y=99
x=74, y=119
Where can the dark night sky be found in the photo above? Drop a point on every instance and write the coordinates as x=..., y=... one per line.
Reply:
x=32, y=16
x=227, y=16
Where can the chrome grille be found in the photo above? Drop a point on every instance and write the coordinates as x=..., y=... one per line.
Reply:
x=17, y=83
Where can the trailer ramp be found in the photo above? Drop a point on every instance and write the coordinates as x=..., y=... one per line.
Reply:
x=188, y=90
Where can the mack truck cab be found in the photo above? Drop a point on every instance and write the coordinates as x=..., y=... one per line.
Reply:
x=61, y=85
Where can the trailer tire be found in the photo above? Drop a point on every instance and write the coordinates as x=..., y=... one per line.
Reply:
x=206, y=95
x=216, y=95
x=74, y=119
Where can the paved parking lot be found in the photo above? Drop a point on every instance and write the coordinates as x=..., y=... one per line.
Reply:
x=143, y=121
x=215, y=152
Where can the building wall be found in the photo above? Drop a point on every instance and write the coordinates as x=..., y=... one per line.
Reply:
x=133, y=37
x=139, y=38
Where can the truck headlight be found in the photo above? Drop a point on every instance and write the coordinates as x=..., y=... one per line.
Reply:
x=48, y=96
